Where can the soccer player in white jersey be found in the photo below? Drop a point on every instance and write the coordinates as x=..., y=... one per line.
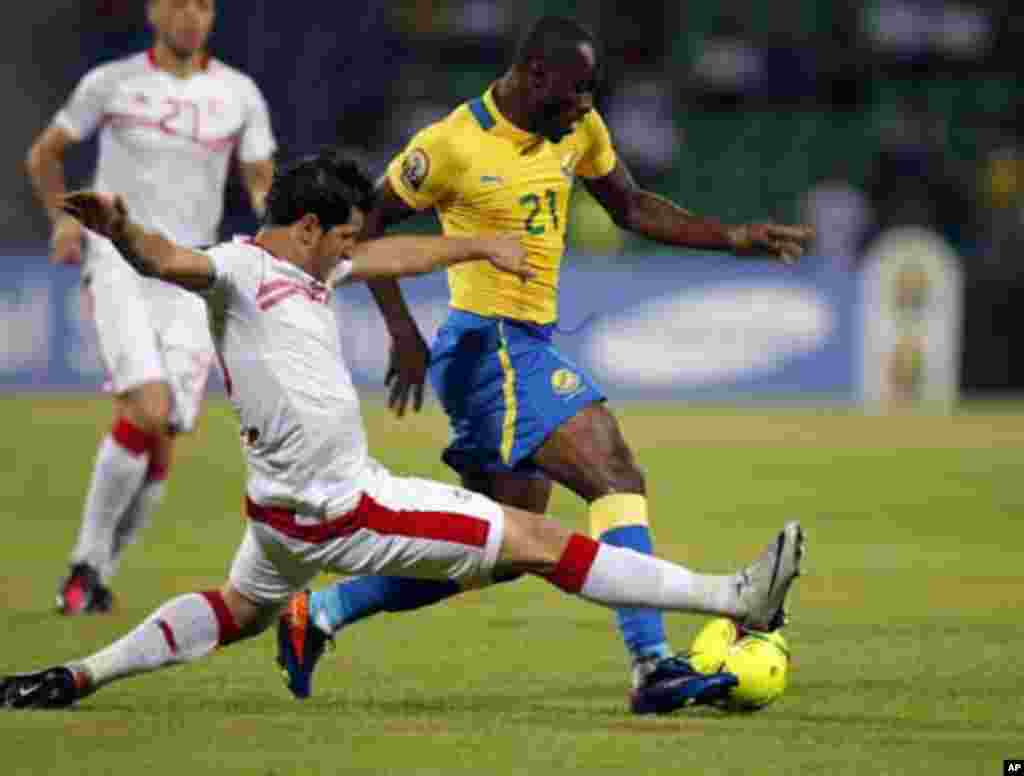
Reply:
x=169, y=121
x=316, y=501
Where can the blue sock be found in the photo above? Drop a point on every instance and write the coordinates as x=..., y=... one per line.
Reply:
x=350, y=601
x=643, y=630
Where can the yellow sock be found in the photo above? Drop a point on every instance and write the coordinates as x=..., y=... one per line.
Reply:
x=617, y=510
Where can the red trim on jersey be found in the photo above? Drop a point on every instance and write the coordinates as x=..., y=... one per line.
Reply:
x=151, y=58
x=368, y=514
x=227, y=628
x=573, y=567
x=168, y=636
x=132, y=438
x=269, y=294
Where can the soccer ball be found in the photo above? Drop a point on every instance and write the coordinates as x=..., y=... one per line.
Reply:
x=759, y=660
x=707, y=653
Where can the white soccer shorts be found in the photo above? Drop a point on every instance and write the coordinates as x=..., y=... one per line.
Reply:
x=148, y=331
x=402, y=526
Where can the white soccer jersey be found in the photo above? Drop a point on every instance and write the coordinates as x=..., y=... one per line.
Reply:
x=165, y=142
x=277, y=337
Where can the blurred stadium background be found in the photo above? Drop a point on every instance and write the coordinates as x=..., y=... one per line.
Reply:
x=860, y=117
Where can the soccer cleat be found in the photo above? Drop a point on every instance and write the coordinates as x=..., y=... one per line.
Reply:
x=54, y=688
x=300, y=644
x=664, y=685
x=763, y=585
x=82, y=592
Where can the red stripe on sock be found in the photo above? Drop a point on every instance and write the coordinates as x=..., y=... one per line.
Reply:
x=574, y=565
x=168, y=636
x=159, y=464
x=132, y=438
x=227, y=630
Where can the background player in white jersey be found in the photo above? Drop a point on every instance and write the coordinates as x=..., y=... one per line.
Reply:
x=315, y=499
x=169, y=120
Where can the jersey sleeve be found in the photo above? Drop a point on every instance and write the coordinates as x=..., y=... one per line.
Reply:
x=598, y=157
x=257, y=142
x=87, y=105
x=427, y=170
x=236, y=269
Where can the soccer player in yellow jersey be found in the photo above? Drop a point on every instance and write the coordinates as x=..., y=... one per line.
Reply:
x=522, y=415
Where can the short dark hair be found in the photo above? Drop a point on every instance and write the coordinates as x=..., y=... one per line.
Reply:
x=554, y=39
x=328, y=184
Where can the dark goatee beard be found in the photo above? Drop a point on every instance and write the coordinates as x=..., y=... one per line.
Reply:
x=182, y=55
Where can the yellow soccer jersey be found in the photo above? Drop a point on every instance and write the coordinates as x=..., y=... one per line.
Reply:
x=485, y=176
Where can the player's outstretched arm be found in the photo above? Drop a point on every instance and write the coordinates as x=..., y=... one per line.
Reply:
x=149, y=252
x=661, y=220
x=394, y=257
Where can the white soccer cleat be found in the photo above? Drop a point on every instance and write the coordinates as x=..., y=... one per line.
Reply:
x=763, y=585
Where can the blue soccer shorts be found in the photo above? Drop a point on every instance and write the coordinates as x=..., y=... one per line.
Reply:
x=505, y=388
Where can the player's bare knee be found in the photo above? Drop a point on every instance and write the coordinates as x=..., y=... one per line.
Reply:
x=251, y=618
x=148, y=407
x=532, y=544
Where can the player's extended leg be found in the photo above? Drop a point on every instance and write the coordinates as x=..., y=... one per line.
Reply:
x=182, y=630
x=589, y=455
x=128, y=463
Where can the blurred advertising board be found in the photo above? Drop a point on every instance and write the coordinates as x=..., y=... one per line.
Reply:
x=693, y=327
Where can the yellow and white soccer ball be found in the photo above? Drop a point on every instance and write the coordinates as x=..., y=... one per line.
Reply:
x=759, y=660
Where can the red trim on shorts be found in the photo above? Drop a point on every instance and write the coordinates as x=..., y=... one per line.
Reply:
x=168, y=636
x=368, y=514
x=132, y=438
x=573, y=567
x=227, y=630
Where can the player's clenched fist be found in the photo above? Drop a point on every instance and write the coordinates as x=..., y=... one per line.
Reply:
x=66, y=242
x=784, y=242
x=509, y=255
x=101, y=213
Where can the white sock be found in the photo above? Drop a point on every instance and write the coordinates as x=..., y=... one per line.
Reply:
x=133, y=521
x=183, y=629
x=617, y=576
x=116, y=479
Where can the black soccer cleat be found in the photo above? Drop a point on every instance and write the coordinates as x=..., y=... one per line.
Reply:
x=54, y=688
x=664, y=685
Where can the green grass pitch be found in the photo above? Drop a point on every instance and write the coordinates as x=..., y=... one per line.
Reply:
x=907, y=635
